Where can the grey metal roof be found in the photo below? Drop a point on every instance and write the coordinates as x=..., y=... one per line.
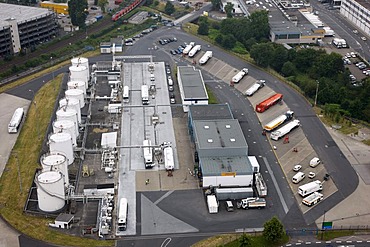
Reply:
x=20, y=13
x=215, y=166
x=192, y=83
x=65, y=217
x=210, y=112
x=219, y=134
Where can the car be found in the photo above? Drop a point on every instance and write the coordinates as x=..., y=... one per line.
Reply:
x=170, y=88
x=363, y=38
x=363, y=66
x=296, y=168
x=168, y=71
x=172, y=101
x=353, y=54
x=94, y=8
x=359, y=64
x=354, y=31
x=311, y=175
x=348, y=55
x=315, y=162
x=173, y=52
x=172, y=95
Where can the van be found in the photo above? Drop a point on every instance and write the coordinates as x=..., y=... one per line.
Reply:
x=298, y=177
x=229, y=206
x=170, y=81
x=315, y=162
x=152, y=78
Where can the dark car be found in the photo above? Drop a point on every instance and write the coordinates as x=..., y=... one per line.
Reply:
x=172, y=95
x=173, y=52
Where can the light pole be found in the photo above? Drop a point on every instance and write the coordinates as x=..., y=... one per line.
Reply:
x=317, y=90
x=35, y=103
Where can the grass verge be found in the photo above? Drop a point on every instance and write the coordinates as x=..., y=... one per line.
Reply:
x=211, y=97
x=329, y=235
x=25, y=157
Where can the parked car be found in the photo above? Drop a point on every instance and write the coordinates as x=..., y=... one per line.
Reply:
x=315, y=162
x=170, y=88
x=363, y=38
x=311, y=175
x=296, y=168
x=168, y=71
x=354, y=31
x=172, y=101
x=173, y=52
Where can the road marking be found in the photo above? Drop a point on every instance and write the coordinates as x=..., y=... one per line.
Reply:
x=288, y=245
x=298, y=243
x=282, y=200
x=318, y=242
x=359, y=241
x=164, y=196
x=308, y=243
x=348, y=241
x=338, y=242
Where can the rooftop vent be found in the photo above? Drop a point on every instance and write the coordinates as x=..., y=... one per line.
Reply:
x=210, y=140
x=206, y=127
x=232, y=139
x=228, y=126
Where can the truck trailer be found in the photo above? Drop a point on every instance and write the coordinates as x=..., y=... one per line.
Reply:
x=267, y=103
x=188, y=48
x=255, y=87
x=168, y=158
x=205, y=57
x=260, y=185
x=16, y=120
x=148, y=154
x=240, y=75
x=278, y=121
x=145, y=94
x=212, y=204
x=312, y=199
x=279, y=133
x=194, y=50
x=309, y=188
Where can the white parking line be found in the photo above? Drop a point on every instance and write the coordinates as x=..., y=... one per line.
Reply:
x=282, y=200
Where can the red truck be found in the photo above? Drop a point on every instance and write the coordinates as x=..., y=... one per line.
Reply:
x=267, y=103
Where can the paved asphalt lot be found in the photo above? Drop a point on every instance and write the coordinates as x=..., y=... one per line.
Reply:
x=323, y=144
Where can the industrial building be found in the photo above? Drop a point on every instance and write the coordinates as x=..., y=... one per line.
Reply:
x=23, y=27
x=115, y=45
x=59, y=8
x=357, y=12
x=237, y=11
x=220, y=147
x=192, y=88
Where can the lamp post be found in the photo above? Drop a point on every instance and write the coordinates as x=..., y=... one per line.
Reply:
x=36, y=113
x=317, y=91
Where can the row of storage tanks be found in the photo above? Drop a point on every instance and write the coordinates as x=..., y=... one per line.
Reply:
x=53, y=180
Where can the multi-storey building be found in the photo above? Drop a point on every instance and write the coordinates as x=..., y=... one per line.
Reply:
x=23, y=27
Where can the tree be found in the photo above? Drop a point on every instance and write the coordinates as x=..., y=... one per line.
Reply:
x=262, y=53
x=216, y=4
x=229, y=10
x=78, y=12
x=203, y=28
x=289, y=69
x=102, y=4
x=219, y=38
x=169, y=9
x=228, y=41
x=273, y=230
x=244, y=241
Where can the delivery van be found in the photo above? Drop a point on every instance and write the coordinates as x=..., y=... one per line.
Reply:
x=298, y=177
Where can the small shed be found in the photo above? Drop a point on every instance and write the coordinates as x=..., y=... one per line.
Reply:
x=109, y=140
x=63, y=221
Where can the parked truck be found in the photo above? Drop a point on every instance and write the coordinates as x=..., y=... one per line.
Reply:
x=145, y=94
x=260, y=185
x=148, y=153
x=253, y=202
x=240, y=75
x=312, y=199
x=309, y=188
x=16, y=120
x=194, y=50
x=168, y=158
x=205, y=57
x=188, y=48
x=255, y=87
x=278, y=121
x=267, y=103
x=279, y=133
x=212, y=204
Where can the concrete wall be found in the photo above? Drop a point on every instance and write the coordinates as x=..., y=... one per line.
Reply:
x=225, y=181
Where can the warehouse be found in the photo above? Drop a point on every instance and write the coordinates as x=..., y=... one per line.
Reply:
x=192, y=88
x=23, y=27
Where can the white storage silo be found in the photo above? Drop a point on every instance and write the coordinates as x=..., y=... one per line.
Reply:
x=69, y=114
x=77, y=85
x=62, y=142
x=66, y=126
x=50, y=191
x=77, y=94
x=55, y=162
x=77, y=61
x=71, y=103
x=79, y=73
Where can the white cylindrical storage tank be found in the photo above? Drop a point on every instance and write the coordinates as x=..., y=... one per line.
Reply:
x=77, y=61
x=79, y=73
x=66, y=126
x=77, y=85
x=50, y=191
x=69, y=114
x=55, y=162
x=62, y=142
x=77, y=94
x=71, y=103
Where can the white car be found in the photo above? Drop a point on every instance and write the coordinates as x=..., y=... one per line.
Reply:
x=315, y=162
x=363, y=38
x=311, y=175
x=353, y=54
x=297, y=168
x=355, y=31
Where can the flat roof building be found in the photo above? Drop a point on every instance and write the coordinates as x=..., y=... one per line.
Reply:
x=23, y=27
x=192, y=88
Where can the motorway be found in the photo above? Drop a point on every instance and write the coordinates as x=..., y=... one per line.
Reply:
x=339, y=168
x=343, y=28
